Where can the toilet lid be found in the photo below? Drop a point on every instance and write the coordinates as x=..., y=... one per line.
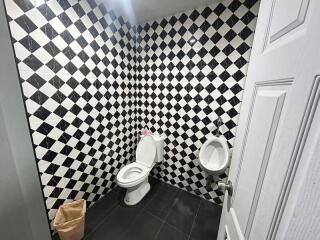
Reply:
x=146, y=151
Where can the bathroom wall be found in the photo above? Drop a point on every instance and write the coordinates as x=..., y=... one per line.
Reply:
x=91, y=81
x=76, y=65
x=191, y=68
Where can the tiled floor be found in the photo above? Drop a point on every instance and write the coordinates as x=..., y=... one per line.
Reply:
x=166, y=213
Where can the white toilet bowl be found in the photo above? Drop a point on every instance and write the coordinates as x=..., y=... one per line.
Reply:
x=134, y=176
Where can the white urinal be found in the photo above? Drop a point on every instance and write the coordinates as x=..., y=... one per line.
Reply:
x=214, y=156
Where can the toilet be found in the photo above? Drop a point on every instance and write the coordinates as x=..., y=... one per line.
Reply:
x=134, y=176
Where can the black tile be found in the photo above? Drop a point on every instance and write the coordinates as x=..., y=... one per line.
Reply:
x=115, y=224
x=46, y=11
x=33, y=62
x=143, y=228
x=52, y=49
x=168, y=232
x=29, y=43
x=155, y=185
x=100, y=210
x=206, y=225
x=164, y=199
x=26, y=23
x=155, y=182
x=110, y=218
x=25, y=5
x=183, y=211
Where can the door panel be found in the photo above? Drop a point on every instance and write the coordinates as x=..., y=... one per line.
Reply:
x=274, y=119
x=285, y=18
x=268, y=102
x=279, y=182
x=301, y=214
x=273, y=110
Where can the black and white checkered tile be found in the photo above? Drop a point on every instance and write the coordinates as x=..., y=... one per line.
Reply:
x=76, y=61
x=191, y=69
x=90, y=81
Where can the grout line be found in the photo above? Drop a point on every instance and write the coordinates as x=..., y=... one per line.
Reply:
x=155, y=194
x=164, y=221
x=136, y=217
x=124, y=232
x=194, y=220
x=102, y=221
x=130, y=224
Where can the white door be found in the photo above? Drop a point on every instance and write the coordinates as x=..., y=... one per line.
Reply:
x=270, y=164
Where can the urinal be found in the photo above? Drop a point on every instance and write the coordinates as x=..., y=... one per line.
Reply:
x=214, y=156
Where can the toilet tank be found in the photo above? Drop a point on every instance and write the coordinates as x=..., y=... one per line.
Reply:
x=159, y=139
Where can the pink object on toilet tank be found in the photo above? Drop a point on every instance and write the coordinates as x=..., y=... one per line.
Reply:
x=146, y=132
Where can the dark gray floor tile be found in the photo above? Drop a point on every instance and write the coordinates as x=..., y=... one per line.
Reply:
x=168, y=232
x=97, y=213
x=110, y=218
x=116, y=223
x=163, y=200
x=143, y=228
x=100, y=210
x=155, y=182
x=183, y=211
x=206, y=225
x=155, y=185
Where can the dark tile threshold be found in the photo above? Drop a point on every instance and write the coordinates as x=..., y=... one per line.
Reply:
x=166, y=212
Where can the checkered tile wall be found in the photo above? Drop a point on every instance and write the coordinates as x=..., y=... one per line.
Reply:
x=90, y=81
x=191, y=69
x=76, y=61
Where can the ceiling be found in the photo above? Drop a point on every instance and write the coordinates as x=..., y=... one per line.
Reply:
x=139, y=11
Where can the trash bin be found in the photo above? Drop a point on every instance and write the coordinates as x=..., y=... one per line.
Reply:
x=69, y=220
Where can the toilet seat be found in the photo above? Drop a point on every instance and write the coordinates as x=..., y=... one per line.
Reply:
x=132, y=174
